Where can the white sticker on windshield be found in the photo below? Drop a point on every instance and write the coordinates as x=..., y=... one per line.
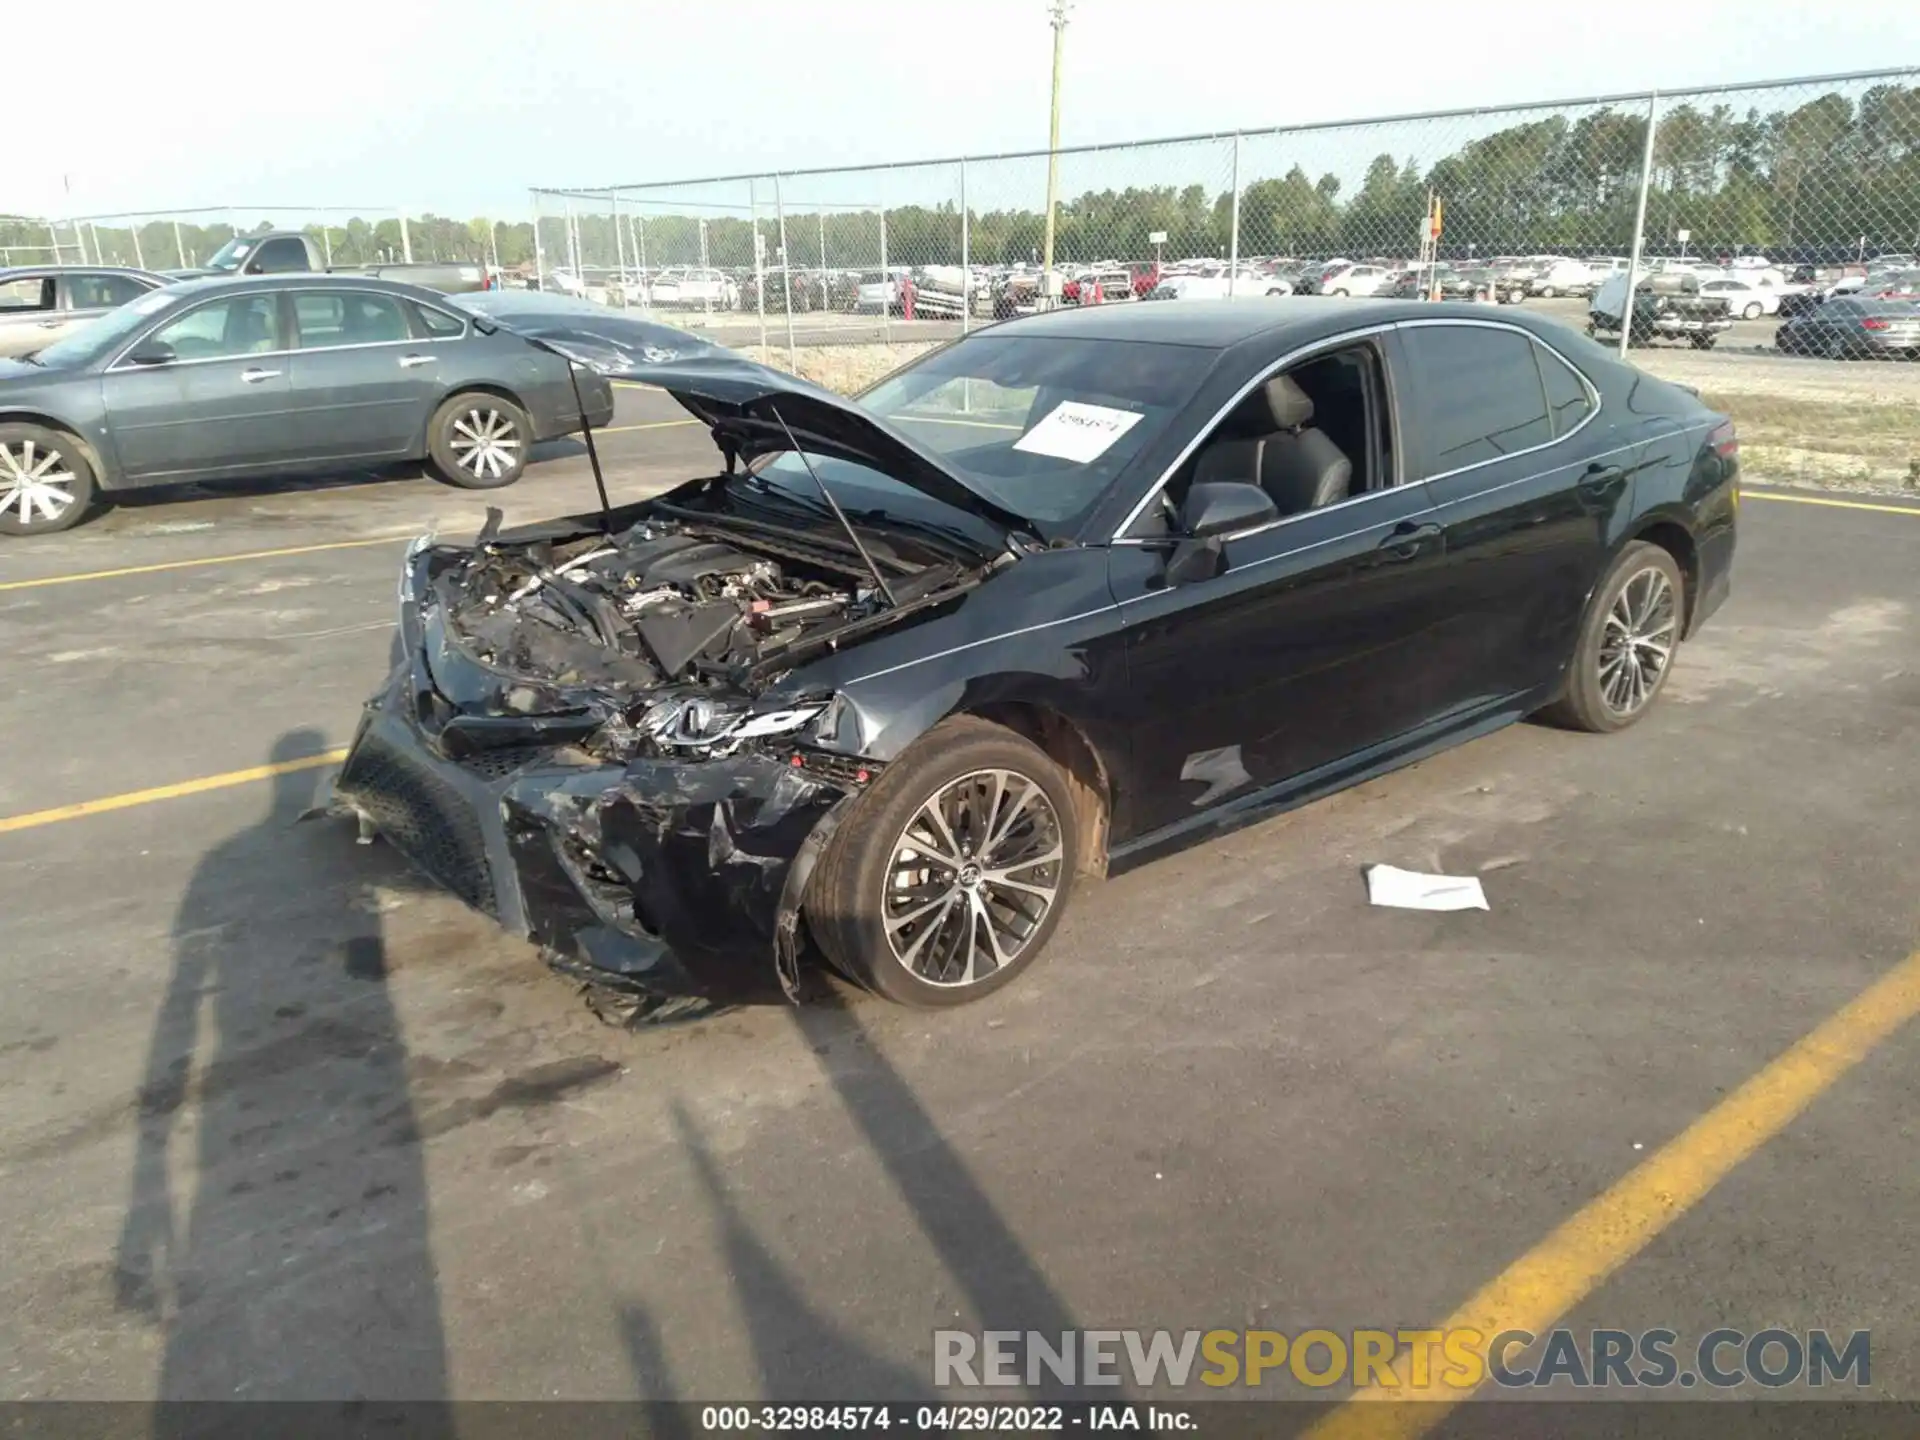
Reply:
x=1077, y=432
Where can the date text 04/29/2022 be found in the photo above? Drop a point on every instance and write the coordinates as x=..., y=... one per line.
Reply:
x=943, y=1419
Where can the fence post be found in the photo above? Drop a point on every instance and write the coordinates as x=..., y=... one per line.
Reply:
x=1639, y=226
x=821, y=215
x=786, y=273
x=406, y=239
x=326, y=243
x=539, y=247
x=619, y=246
x=759, y=264
x=966, y=257
x=139, y=256
x=640, y=241
x=180, y=246
x=886, y=285
x=1233, y=238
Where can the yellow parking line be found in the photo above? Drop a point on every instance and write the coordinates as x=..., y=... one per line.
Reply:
x=1835, y=504
x=35, y=819
x=645, y=425
x=1560, y=1272
x=193, y=564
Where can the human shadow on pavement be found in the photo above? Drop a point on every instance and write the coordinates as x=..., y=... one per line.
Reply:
x=801, y=1350
x=277, y=1227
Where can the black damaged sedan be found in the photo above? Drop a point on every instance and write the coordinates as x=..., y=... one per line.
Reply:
x=1070, y=591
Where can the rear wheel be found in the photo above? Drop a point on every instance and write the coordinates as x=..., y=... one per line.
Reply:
x=1753, y=310
x=480, y=441
x=1703, y=340
x=1341, y=293
x=950, y=879
x=1547, y=292
x=46, y=483
x=1626, y=644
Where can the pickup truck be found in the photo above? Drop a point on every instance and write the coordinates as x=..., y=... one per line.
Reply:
x=284, y=252
x=1666, y=304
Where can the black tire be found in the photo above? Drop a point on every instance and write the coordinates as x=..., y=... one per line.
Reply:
x=38, y=467
x=1342, y=294
x=468, y=452
x=1584, y=704
x=846, y=906
x=1547, y=292
x=1703, y=341
x=1753, y=310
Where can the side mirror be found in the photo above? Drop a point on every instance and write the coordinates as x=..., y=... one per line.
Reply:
x=153, y=352
x=1212, y=511
x=1220, y=507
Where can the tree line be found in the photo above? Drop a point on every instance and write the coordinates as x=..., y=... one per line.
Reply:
x=1824, y=180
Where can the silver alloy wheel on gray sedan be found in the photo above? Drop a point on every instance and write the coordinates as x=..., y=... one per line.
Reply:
x=973, y=876
x=1637, y=640
x=486, y=443
x=46, y=481
x=36, y=481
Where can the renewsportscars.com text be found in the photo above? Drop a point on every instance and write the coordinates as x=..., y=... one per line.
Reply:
x=1460, y=1359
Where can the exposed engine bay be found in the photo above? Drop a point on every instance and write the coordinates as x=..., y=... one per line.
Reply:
x=650, y=620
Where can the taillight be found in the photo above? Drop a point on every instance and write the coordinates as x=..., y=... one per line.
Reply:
x=1872, y=324
x=1725, y=441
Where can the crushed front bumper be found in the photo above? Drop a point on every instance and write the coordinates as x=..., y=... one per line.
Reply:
x=678, y=877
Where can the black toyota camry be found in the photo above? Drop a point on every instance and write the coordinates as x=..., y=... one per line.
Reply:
x=902, y=670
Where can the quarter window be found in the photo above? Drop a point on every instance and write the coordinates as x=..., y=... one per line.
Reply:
x=439, y=324
x=1567, y=397
x=243, y=325
x=1482, y=392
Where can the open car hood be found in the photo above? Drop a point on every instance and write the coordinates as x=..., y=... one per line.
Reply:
x=741, y=402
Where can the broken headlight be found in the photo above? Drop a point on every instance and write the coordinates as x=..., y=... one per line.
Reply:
x=703, y=723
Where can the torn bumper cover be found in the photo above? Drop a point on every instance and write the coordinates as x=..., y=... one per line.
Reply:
x=676, y=876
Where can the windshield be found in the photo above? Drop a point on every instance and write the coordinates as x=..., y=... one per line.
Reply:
x=91, y=341
x=230, y=255
x=1040, y=425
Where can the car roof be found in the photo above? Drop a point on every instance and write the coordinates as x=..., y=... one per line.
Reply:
x=30, y=272
x=304, y=279
x=1219, y=324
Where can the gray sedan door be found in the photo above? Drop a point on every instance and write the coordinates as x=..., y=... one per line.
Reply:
x=362, y=384
x=207, y=395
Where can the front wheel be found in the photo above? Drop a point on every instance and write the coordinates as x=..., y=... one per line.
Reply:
x=1626, y=643
x=46, y=483
x=479, y=441
x=952, y=876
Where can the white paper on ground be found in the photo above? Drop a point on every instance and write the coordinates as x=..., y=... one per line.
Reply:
x=1073, y=431
x=1412, y=890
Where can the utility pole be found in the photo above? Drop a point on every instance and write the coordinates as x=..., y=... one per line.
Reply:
x=1057, y=16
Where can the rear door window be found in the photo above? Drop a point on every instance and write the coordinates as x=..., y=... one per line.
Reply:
x=102, y=292
x=27, y=294
x=329, y=319
x=1481, y=395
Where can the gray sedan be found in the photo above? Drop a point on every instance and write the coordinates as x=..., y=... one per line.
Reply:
x=40, y=303
x=279, y=375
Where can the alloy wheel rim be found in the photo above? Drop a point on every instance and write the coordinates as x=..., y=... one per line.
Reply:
x=35, y=481
x=1636, y=644
x=486, y=444
x=972, y=878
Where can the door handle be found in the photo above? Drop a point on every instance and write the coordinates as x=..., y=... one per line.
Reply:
x=49, y=324
x=1407, y=539
x=255, y=376
x=407, y=362
x=1602, y=482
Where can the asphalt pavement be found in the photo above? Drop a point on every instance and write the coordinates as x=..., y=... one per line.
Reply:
x=277, y=1121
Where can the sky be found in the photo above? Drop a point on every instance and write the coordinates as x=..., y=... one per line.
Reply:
x=460, y=108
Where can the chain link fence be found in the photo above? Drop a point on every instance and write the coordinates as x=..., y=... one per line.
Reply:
x=184, y=239
x=1739, y=213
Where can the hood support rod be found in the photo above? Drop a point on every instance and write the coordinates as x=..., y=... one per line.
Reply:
x=838, y=514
